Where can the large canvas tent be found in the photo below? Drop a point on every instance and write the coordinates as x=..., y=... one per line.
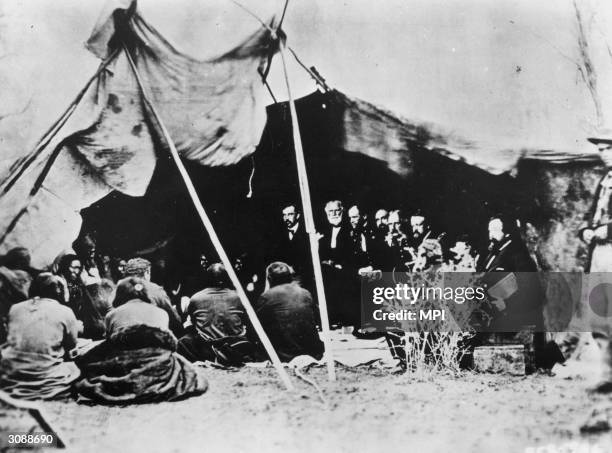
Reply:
x=361, y=129
x=108, y=140
x=551, y=193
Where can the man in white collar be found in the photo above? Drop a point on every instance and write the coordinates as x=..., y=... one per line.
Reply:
x=291, y=219
x=339, y=268
x=335, y=243
x=292, y=246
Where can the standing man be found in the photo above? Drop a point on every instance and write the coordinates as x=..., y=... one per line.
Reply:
x=401, y=255
x=293, y=246
x=339, y=269
x=378, y=250
x=597, y=233
x=335, y=244
x=380, y=218
x=419, y=231
x=511, y=276
x=358, y=238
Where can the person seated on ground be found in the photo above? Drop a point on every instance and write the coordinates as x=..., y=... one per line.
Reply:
x=96, y=303
x=90, y=302
x=92, y=262
x=19, y=259
x=117, y=269
x=286, y=312
x=41, y=332
x=218, y=332
x=15, y=281
x=69, y=269
x=137, y=362
x=141, y=268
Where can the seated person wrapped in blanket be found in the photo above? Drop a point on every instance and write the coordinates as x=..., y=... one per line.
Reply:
x=41, y=331
x=138, y=362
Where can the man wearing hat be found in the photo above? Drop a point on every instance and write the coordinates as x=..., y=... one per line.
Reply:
x=597, y=234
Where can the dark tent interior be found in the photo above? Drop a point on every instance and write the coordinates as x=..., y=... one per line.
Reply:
x=457, y=198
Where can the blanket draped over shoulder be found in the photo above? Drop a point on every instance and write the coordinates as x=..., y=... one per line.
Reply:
x=138, y=364
x=30, y=376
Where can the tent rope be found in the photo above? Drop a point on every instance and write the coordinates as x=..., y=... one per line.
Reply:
x=280, y=33
x=280, y=23
x=312, y=382
x=250, y=194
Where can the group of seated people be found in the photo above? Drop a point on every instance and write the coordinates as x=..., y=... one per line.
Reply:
x=71, y=333
x=101, y=330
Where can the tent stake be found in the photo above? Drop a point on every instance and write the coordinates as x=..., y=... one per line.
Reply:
x=309, y=222
x=213, y=235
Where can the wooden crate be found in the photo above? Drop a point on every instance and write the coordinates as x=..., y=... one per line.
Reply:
x=506, y=359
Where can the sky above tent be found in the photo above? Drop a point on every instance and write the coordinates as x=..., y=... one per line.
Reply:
x=503, y=73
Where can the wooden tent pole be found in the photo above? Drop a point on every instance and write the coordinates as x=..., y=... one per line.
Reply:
x=213, y=235
x=309, y=222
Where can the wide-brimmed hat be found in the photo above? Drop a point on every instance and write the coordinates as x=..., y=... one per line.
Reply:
x=603, y=136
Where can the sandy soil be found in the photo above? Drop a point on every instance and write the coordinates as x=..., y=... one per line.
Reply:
x=366, y=410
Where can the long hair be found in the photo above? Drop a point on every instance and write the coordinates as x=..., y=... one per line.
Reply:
x=49, y=286
x=64, y=263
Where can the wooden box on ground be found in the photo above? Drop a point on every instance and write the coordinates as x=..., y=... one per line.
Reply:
x=506, y=359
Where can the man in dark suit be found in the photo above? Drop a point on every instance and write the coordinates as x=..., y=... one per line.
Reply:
x=293, y=245
x=358, y=233
x=218, y=331
x=336, y=244
x=339, y=267
x=287, y=314
x=379, y=252
x=512, y=272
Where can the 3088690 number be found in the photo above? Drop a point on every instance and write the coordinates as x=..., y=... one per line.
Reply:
x=29, y=439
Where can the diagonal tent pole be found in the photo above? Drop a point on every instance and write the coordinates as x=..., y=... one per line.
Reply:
x=213, y=235
x=304, y=189
x=309, y=221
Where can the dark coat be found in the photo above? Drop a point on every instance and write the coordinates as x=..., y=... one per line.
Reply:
x=159, y=298
x=380, y=255
x=295, y=252
x=524, y=307
x=343, y=253
x=286, y=313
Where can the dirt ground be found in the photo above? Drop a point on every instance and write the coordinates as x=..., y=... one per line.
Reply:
x=366, y=410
